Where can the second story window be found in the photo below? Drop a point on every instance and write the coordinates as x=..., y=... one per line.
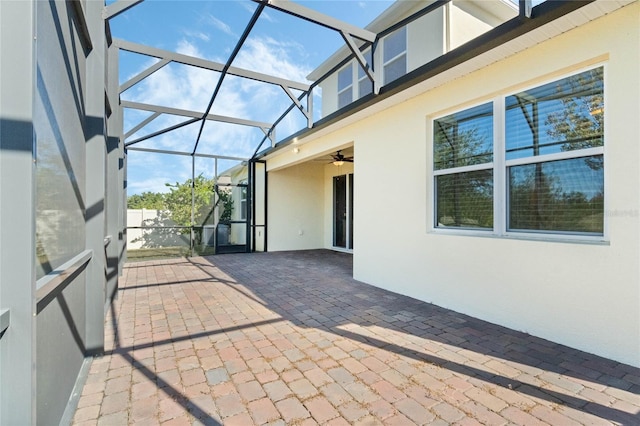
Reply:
x=365, y=86
x=243, y=200
x=345, y=86
x=394, y=55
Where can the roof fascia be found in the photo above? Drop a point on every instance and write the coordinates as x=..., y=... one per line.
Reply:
x=542, y=14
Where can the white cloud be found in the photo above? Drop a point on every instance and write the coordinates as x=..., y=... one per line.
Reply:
x=222, y=26
x=273, y=57
x=197, y=35
x=191, y=88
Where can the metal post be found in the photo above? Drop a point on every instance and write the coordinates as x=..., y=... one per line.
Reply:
x=17, y=215
x=95, y=180
x=525, y=8
x=193, y=202
x=250, y=233
x=310, y=108
x=113, y=189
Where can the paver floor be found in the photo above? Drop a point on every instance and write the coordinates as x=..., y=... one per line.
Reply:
x=291, y=338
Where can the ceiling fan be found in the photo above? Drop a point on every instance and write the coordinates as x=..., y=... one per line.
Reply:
x=339, y=159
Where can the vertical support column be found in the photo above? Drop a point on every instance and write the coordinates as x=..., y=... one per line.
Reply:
x=250, y=232
x=95, y=180
x=17, y=211
x=193, y=202
x=525, y=7
x=122, y=169
x=113, y=207
x=376, y=66
x=310, y=108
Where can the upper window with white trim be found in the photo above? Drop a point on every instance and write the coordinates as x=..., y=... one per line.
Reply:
x=345, y=86
x=394, y=55
x=463, y=168
x=365, y=86
x=545, y=175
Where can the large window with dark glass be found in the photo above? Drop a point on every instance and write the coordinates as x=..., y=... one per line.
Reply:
x=550, y=162
x=365, y=86
x=554, y=156
x=463, y=169
x=345, y=86
x=394, y=55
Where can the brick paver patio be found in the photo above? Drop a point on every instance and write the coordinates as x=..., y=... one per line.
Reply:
x=291, y=338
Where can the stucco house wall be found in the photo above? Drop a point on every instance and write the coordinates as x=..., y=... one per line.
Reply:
x=582, y=294
x=295, y=206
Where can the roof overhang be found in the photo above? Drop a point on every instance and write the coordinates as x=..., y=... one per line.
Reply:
x=548, y=20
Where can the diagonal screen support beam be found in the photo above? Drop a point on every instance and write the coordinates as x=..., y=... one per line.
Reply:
x=194, y=114
x=142, y=75
x=236, y=50
x=179, y=58
x=306, y=111
x=271, y=135
x=141, y=124
x=162, y=132
x=368, y=69
x=347, y=31
x=187, y=154
x=115, y=9
x=311, y=15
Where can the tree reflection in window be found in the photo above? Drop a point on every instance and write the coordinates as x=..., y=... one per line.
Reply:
x=564, y=194
x=464, y=196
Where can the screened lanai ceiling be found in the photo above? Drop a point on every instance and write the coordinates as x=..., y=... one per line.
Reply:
x=226, y=78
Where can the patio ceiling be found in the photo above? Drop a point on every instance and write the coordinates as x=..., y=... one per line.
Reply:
x=292, y=98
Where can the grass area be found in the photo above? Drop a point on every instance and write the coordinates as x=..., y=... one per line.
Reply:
x=140, y=255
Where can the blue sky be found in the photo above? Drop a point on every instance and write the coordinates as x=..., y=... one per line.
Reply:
x=278, y=45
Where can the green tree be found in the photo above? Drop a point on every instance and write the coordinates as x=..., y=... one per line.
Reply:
x=146, y=200
x=175, y=206
x=178, y=201
x=465, y=139
x=580, y=121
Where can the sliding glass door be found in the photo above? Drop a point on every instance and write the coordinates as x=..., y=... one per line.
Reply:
x=343, y=211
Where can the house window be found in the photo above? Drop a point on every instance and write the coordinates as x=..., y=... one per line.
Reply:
x=243, y=200
x=365, y=86
x=463, y=169
x=554, y=156
x=345, y=86
x=550, y=161
x=394, y=55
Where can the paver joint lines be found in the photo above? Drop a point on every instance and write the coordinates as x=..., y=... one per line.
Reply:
x=290, y=337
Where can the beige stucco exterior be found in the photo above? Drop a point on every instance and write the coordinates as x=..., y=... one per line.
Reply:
x=582, y=294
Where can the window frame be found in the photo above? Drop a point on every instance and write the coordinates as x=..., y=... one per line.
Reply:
x=243, y=185
x=501, y=167
x=361, y=75
x=350, y=86
x=490, y=165
x=396, y=57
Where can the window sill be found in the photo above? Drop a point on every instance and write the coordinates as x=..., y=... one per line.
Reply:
x=524, y=236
